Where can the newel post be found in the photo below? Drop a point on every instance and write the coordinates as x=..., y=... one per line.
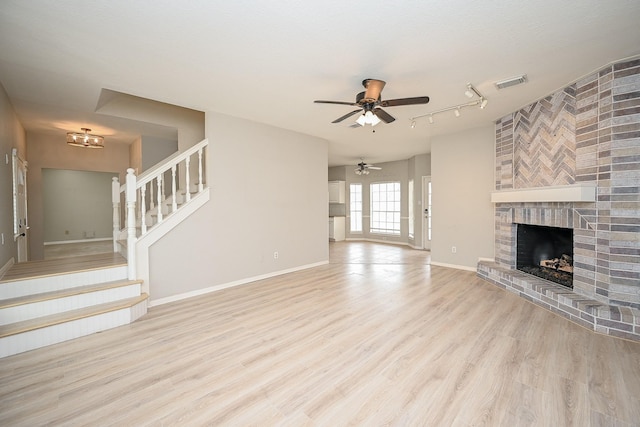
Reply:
x=115, y=200
x=130, y=196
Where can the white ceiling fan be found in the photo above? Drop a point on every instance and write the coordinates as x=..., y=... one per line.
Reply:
x=363, y=168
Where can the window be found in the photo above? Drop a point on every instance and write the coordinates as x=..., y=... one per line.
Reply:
x=355, y=208
x=385, y=208
x=410, y=203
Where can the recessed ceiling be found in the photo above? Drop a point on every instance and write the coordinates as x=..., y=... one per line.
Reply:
x=268, y=61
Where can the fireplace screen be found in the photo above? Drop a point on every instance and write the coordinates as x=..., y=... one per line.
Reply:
x=546, y=252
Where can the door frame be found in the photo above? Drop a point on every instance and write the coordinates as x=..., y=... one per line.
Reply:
x=20, y=218
x=426, y=243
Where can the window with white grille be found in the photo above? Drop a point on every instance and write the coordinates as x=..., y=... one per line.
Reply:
x=385, y=208
x=355, y=208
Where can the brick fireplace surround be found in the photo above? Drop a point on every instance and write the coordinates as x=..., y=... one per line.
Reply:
x=583, y=136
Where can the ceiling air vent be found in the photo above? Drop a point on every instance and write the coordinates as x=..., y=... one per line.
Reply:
x=511, y=82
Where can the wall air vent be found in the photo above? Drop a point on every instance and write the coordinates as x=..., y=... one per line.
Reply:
x=511, y=82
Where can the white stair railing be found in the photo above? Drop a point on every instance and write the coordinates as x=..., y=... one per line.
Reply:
x=142, y=213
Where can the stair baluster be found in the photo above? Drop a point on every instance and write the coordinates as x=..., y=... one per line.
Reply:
x=143, y=209
x=187, y=186
x=115, y=200
x=174, y=203
x=160, y=197
x=200, y=186
x=131, y=222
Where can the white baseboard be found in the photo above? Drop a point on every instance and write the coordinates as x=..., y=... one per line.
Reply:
x=174, y=298
x=6, y=267
x=64, y=242
x=457, y=267
x=420, y=248
x=357, y=239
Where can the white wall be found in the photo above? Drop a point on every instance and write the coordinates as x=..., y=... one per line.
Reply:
x=189, y=123
x=462, y=175
x=77, y=204
x=268, y=193
x=12, y=135
x=155, y=150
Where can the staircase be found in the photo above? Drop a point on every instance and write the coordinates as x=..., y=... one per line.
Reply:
x=51, y=301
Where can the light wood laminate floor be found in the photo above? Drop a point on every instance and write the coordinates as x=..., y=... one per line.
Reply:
x=89, y=247
x=49, y=267
x=376, y=337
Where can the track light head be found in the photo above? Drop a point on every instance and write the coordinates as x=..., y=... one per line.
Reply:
x=431, y=118
x=483, y=103
x=457, y=112
x=413, y=124
x=469, y=92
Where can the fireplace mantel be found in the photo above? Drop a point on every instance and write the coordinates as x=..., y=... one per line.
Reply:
x=560, y=193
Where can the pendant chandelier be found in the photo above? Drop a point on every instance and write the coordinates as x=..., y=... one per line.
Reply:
x=85, y=139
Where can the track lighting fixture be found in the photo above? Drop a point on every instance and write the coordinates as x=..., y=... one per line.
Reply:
x=470, y=93
x=413, y=124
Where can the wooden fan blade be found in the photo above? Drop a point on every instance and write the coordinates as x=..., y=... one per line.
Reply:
x=373, y=89
x=383, y=115
x=405, y=101
x=346, y=116
x=336, y=102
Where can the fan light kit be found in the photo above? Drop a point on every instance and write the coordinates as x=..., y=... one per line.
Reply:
x=363, y=168
x=368, y=118
x=85, y=139
x=369, y=103
x=469, y=93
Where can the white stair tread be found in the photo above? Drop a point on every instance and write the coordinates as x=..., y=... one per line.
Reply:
x=55, y=319
x=46, y=296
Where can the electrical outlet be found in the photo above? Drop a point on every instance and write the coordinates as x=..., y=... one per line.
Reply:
x=275, y=255
x=453, y=249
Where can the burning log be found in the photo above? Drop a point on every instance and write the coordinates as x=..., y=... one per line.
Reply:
x=564, y=263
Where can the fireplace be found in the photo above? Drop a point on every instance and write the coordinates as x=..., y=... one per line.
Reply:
x=547, y=155
x=546, y=252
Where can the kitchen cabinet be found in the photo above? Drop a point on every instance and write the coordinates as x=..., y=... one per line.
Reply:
x=336, y=228
x=336, y=191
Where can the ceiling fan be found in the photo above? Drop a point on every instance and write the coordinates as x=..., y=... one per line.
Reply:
x=363, y=168
x=369, y=103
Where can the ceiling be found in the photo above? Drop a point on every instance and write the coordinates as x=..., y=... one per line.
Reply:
x=268, y=61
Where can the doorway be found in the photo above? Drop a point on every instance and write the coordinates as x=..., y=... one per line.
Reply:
x=426, y=213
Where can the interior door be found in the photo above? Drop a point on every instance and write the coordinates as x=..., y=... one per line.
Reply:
x=426, y=213
x=20, y=223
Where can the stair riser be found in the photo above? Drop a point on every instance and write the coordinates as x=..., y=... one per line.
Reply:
x=54, y=334
x=44, y=308
x=41, y=285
